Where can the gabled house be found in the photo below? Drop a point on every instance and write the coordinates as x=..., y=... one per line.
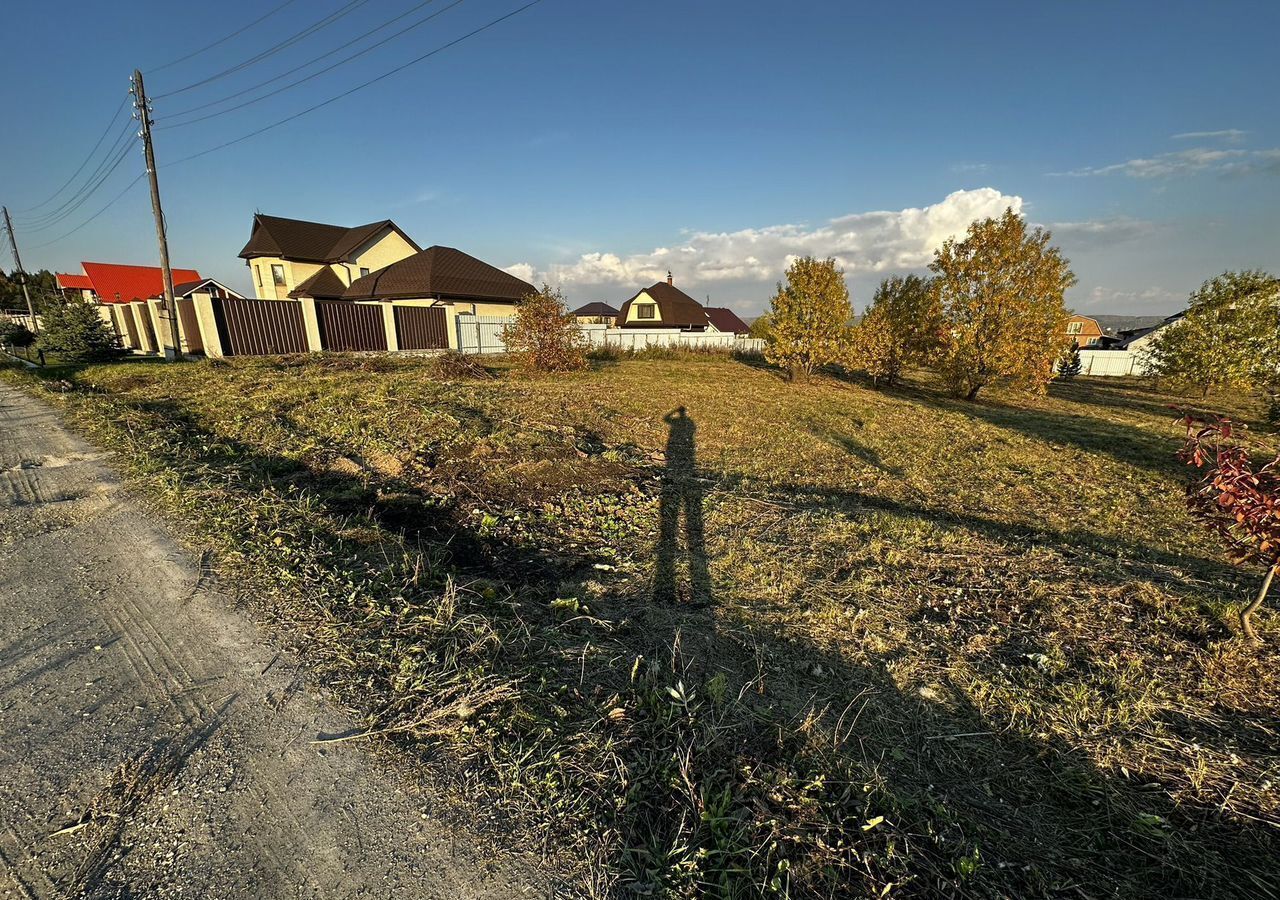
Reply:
x=1138, y=339
x=724, y=319
x=596, y=313
x=443, y=276
x=113, y=283
x=76, y=286
x=1085, y=331
x=663, y=305
x=288, y=256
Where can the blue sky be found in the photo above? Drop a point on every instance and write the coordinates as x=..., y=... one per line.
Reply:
x=598, y=144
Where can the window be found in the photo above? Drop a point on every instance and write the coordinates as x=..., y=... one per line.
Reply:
x=258, y=271
x=363, y=271
x=277, y=274
x=645, y=311
x=1075, y=327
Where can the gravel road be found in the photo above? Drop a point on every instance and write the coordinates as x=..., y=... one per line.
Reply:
x=152, y=741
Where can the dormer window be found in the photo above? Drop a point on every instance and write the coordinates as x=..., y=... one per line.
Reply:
x=363, y=271
x=645, y=311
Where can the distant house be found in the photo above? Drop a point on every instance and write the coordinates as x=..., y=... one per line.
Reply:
x=201, y=287
x=113, y=283
x=80, y=286
x=596, y=313
x=444, y=276
x=724, y=319
x=1085, y=331
x=292, y=257
x=1136, y=340
x=663, y=305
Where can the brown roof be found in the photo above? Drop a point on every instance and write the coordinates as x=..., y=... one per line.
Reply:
x=310, y=241
x=677, y=309
x=726, y=319
x=441, y=272
x=595, y=309
x=325, y=283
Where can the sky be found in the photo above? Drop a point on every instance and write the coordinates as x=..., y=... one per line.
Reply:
x=597, y=144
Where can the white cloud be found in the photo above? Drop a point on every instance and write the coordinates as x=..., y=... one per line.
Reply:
x=1192, y=161
x=1124, y=301
x=1230, y=135
x=1097, y=233
x=523, y=271
x=861, y=243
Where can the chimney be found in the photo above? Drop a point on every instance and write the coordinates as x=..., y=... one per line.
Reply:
x=668, y=276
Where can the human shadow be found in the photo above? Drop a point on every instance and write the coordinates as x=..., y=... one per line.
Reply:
x=681, y=496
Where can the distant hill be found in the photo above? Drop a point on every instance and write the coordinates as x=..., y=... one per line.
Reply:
x=1116, y=324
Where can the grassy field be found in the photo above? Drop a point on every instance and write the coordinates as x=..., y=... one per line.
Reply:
x=803, y=641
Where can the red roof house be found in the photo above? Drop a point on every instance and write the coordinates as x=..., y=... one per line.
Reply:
x=124, y=284
x=74, y=282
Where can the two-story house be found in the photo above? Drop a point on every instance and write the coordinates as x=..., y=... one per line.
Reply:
x=291, y=257
x=1086, y=332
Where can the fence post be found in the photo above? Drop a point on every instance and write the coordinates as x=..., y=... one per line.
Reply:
x=311, y=324
x=389, y=325
x=208, y=326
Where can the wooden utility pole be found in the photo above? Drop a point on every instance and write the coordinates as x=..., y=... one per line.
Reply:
x=173, y=349
x=22, y=273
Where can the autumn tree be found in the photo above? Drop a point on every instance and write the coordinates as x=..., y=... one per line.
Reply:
x=808, y=317
x=1000, y=291
x=1234, y=499
x=545, y=335
x=901, y=327
x=1229, y=337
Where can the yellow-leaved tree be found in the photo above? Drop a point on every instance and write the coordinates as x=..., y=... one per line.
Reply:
x=808, y=317
x=900, y=328
x=1000, y=291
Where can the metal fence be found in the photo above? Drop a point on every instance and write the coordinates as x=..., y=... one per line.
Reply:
x=351, y=327
x=421, y=328
x=481, y=334
x=260, y=327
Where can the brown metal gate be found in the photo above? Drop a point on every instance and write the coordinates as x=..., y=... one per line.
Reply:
x=347, y=326
x=260, y=327
x=421, y=328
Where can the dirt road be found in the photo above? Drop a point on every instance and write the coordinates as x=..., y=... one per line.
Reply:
x=153, y=743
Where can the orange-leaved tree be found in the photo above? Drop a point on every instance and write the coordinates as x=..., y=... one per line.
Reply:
x=1001, y=293
x=545, y=335
x=1237, y=501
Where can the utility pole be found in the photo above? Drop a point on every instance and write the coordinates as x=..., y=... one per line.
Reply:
x=143, y=108
x=22, y=273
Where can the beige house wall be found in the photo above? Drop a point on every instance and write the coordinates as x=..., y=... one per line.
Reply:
x=643, y=297
x=382, y=251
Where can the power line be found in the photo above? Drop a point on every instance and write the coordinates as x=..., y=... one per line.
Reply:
x=56, y=213
x=359, y=87
x=311, y=29
x=110, y=203
x=115, y=115
x=124, y=153
x=294, y=84
x=186, y=57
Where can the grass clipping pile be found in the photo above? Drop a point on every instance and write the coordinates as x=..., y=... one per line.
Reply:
x=834, y=724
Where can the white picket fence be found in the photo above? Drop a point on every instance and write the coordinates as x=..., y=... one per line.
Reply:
x=1111, y=362
x=483, y=334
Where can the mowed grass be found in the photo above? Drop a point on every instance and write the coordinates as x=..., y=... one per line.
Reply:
x=942, y=649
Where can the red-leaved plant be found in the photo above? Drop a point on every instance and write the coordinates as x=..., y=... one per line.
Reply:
x=1235, y=500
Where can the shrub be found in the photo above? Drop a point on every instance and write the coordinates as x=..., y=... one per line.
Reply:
x=545, y=336
x=73, y=329
x=15, y=334
x=452, y=364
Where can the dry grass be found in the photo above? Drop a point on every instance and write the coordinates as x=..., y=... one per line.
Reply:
x=947, y=648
